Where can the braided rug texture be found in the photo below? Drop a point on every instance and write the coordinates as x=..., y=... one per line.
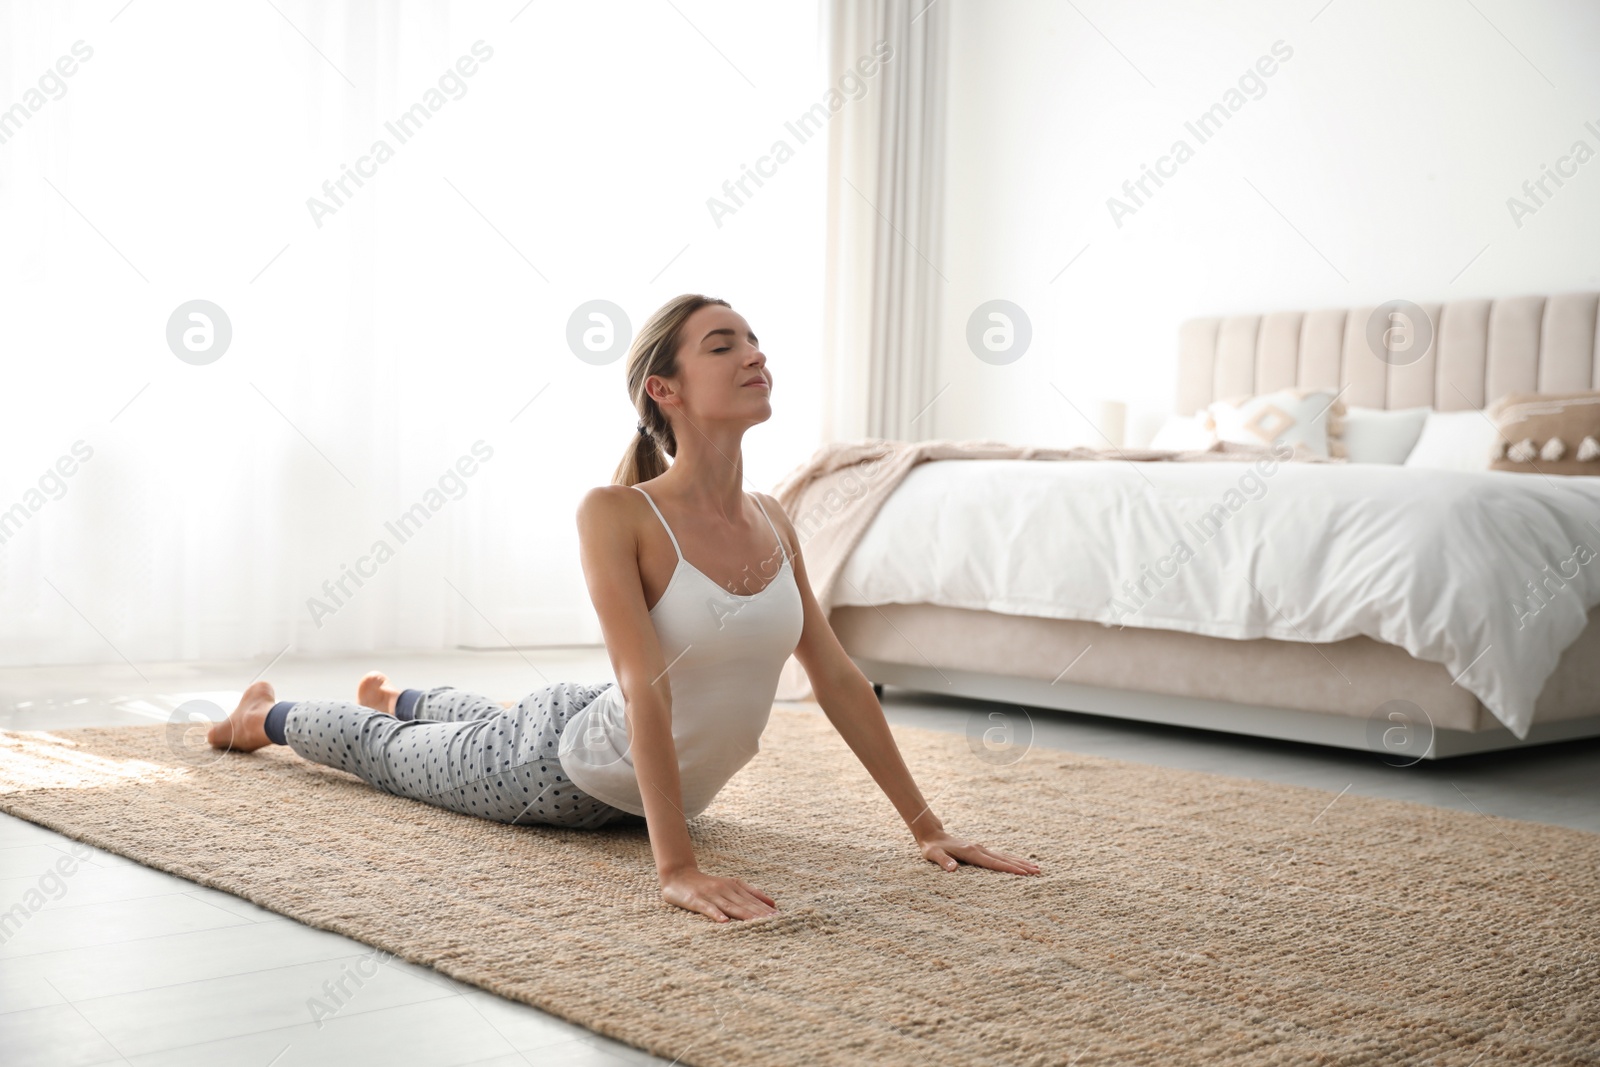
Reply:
x=1180, y=917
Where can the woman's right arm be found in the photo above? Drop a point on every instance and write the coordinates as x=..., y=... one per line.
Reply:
x=609, y=550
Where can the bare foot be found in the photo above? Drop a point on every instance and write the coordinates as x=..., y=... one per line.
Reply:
x=376, y=693
x=245, y=730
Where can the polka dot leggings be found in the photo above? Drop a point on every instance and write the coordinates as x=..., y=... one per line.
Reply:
x=456, y=750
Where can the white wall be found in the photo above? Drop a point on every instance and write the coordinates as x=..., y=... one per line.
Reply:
x=1391, y=140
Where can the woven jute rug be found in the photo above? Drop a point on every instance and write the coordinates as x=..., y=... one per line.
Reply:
x=1180, y=917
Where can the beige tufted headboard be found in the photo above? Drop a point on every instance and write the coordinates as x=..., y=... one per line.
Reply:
x=1480, y=350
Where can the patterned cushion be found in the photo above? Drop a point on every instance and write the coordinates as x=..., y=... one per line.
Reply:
x=1312, y=417
x=1547, y=433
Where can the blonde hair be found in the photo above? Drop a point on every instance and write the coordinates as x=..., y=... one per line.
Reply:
x=654, y=352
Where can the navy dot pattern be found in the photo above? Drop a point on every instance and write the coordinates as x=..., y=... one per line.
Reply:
x=461, y=751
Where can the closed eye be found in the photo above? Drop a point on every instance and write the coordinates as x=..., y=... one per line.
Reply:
x=754, y=342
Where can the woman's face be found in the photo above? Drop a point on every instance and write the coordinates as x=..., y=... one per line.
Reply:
x=722, y=373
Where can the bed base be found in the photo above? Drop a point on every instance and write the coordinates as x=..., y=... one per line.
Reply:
x=1285, y=724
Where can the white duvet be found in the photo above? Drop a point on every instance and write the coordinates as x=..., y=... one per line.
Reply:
x=1492, y=574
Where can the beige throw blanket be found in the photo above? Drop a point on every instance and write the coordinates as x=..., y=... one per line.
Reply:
x=833, y=497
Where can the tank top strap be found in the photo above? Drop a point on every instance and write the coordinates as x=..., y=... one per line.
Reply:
x=775, y=533
x=664, y=525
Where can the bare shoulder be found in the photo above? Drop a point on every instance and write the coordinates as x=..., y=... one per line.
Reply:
x=781, y=519
x=606, y=508
x=604, y=499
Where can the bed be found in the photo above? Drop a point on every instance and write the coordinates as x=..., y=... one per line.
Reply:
x=992, y=606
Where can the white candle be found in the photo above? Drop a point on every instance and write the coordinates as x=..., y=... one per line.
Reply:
x=1113, y=420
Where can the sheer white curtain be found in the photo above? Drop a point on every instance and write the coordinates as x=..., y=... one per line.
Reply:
x=885, y=203
x=885, y=189
x=398, y=207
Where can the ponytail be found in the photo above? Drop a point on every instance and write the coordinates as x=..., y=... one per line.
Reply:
x=654, y=353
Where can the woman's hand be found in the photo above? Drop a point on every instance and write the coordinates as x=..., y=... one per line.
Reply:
x=720, y=898
x=945, y=849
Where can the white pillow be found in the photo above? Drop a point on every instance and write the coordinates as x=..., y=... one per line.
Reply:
x=1311, y=417
x=1182, y=433
x=1455, y=441
x=1372, y=435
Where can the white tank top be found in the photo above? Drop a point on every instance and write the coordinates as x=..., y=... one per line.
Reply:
x=723, y=653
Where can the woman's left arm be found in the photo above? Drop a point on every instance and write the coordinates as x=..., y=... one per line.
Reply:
x=847, y=698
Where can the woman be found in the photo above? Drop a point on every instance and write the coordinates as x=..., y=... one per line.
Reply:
x=696, y=652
